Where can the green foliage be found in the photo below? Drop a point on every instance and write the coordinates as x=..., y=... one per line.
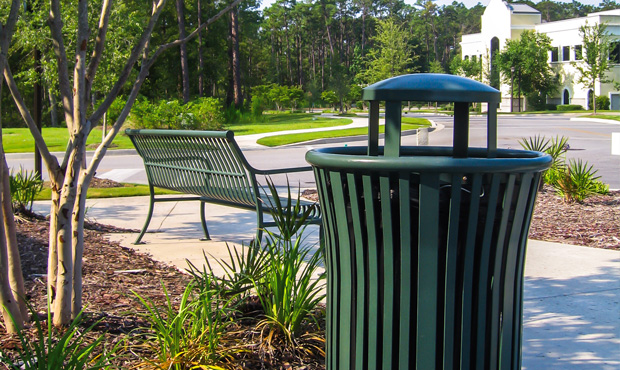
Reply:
x=190, y=334
x=471, y=68
x=240, y=270
x=595, y=63
x=330, y=97
x=576, y=181
x=568, y=107
x=54, y=348
x=292, y=286
x=528, y=56
x=391, y=55
x=25, y=187
x=602, y=102
x=200, y=114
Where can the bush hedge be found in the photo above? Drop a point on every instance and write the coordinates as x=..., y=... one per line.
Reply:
x=199, y=114
x=567, y=107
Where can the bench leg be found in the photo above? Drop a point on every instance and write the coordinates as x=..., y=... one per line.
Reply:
x=148, y=218
x=259, y=225
x=204, y=221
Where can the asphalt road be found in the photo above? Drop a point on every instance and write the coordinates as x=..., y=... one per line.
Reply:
x=590, y=141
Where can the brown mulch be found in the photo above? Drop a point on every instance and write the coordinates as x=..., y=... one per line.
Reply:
x=593, y=223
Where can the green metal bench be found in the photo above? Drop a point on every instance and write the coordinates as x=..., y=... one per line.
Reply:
x=209, y=165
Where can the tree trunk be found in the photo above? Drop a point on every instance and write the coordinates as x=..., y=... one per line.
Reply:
x=16, y=277
x=201, y=62
x=235, y=59
x=180, y=4
x=53, y=111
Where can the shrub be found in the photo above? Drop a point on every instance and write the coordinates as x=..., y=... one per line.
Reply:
x=551, y=107
x=602, y=102
x=567, y=107
x=200, y=114
x=577, y=181
x=25, y=186
x=53, y=348
x=292, y=286
x=536, y=102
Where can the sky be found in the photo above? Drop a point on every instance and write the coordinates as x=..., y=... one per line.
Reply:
x=468, y=3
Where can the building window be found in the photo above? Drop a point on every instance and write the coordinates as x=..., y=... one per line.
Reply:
x=473, y=58
x=565, y=53
x=614, y=52
x=466, y=57
x=554, y=54
x=578, y=52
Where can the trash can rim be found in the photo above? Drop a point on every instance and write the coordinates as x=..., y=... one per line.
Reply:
x=428, y=159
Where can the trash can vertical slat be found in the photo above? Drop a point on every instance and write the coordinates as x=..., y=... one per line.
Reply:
x=510, y=278
x=374, y=326
x=453, y=296
x=361, y=313
x=486, y=273
x=428, y=269
x=344, y=260
x=328, y=230
x=388, y=266
x=406, y=277
x=498, y=267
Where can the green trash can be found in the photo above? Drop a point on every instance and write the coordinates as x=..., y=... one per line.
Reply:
x=425, y=246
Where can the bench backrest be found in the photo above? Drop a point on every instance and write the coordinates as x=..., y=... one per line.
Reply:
x=204, y=163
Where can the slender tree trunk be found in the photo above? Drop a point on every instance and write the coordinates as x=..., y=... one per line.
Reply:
x=16, y=277
x=201, y=62
x=53, y=112
x=180, y=4
x=235, y=59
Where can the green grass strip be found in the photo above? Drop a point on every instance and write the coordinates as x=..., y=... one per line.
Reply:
x=19, y=140
x=603, y=116
x=127, y=190
x=280, y=122
x=277, y=140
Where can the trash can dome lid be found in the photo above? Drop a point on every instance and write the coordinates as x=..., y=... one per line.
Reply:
x=431, y=87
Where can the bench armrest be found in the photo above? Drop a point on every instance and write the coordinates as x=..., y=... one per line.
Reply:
x=277, y=171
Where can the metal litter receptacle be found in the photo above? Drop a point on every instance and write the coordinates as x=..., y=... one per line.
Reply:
x=425, y=246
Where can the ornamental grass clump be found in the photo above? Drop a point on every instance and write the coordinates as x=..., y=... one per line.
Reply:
x=294, y=282
x=574, y=180
x=52, y=348
x=188, y=334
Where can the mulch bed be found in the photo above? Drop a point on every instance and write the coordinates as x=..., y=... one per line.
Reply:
x=108, y=283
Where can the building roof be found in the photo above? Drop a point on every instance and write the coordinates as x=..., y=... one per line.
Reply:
x=521, y=8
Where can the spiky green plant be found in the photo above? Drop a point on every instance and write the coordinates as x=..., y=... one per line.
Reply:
x=191, y=334
x=65, y=348
x=294, y=282
x=25, y=186
x=577, y=182
x=244, y=265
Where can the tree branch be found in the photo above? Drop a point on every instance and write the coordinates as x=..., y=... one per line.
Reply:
x=50, y=160
x=133, y=58
x=64, y=84
x=133, y=95
x=95, y=58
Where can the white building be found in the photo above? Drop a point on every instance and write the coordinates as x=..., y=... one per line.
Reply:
x=502, y=21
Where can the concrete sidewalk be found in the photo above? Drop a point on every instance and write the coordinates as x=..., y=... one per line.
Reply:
x=572, y=293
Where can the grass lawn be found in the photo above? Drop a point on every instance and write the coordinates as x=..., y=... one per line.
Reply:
x=291, y=121
x=603, y=116
x=271, y=141
x=19, y=140
x=127, y=190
